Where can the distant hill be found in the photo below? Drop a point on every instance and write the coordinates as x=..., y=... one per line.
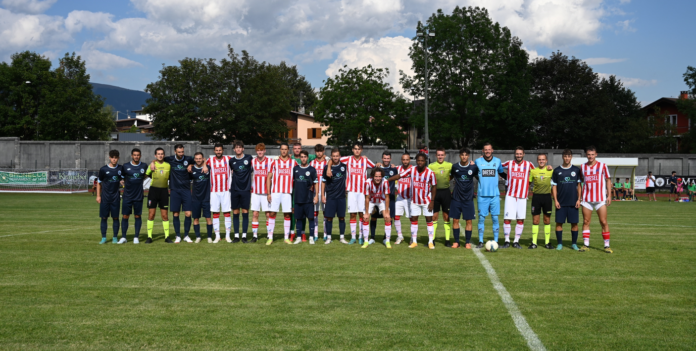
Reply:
x=120, y=98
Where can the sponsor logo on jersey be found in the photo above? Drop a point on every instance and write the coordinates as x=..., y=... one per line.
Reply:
x=488, y=172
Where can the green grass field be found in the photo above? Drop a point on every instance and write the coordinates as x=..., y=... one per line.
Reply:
x=61, y=290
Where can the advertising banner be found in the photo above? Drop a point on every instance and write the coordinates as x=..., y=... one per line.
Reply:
x=29, y=178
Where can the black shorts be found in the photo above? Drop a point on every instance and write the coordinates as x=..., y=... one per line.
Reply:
x=158, y=197
x=567, y=214
x=542, y=203
x=673, y=189
x=443, y=198
x=240, y=199
x=650, y=190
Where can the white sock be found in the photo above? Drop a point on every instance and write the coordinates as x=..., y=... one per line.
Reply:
x=414, y=231
x=366, y=231
x=397, y=224
x=216, y=226
x=243, y=235
x=431, y=232
x=286, y=227
x=353, y=224
x=228, y=226
x=316, y=224
x=270, y=227
x=324, y=226
x=506, y=229
x=387, y=231
x=236, y=235
x=254, y=228
x=518, y=232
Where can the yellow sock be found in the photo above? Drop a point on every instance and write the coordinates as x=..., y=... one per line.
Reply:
x=535, y=233
x=165, y=225
x=150, y=224
x=448, y=230
x=547, y=233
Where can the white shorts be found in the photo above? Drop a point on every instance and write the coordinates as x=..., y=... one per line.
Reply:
x=593, y=206
x=402, y=207
x=220, y=199
x=319, y=206
x=356, y=202
x=515, y=208
x=259, y=202
x=417, y=210
x=278, y=199
x=379, y=206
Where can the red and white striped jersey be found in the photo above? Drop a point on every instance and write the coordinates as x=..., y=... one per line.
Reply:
x=319, y=165
x=282, y=176
x=518, y=178
x=421, y=183
x=220, y=173
x=261, y=170
x=403, y=185
x=595, y=182
x=376, y=193
x=357, y=172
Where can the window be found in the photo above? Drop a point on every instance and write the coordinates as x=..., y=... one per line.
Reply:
x=670, y=123
x=313, y=133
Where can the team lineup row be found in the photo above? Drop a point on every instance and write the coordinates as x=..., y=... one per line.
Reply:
x=301, y=185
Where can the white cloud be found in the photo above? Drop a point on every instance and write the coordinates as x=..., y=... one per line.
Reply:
x=631, y=82
x=602, y=60
x=626, y=25
x=28, y=6
x=98, y=60
x=27, y=32
x=79, y=20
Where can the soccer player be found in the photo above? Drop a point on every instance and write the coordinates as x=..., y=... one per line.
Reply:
x=567, y=189
x=220, y=176
x=403, y=196
x=180, y=186
x=259, y=198
x=650, y=186
x=279, y=190
x=306, y=194
x=463, y=173
x=673, y=187
x=319, y=164
x=240, y=189
x=200, y=175
x=423, y=190
x=108, y=195
x=296, y=148
x=516, y=196
x=442, y=170
x=617, y=189
x=692, y=190
x=628, y=189
x=488, y=198
x=376, y=200
x=355, y=185
x=389, y=170
x=158, y=196
x=334, y=196
x=597, y=186
x=541, y=200
x=133, y=174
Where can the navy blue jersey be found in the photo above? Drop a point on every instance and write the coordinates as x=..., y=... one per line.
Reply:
x=178, y=175
x=673, y=180
x=566, y=181
x=336, y=185
x=242, y=173
x=134, y=176
x=389, y=172
x=110, y=179
x=464, y=181
x=304, y=179
x=201, y=184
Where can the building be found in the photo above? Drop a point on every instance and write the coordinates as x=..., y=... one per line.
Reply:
x=669, y=116
x=305, y=130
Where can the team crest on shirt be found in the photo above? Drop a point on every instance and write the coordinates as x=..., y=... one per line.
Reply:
x=470, y=172
x=107, y=172
x=571, y=173
x=391, y=173
x=307, y=173
x=119, y=172
x=127, y=169
x=185, y=163
x=246, y=162
x=142, y=170
x=343, y=168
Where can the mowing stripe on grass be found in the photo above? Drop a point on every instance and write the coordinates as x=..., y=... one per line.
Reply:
x=44, y=232
x=655, y=225
x=520, y=322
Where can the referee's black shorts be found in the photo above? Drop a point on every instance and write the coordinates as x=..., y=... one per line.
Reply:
x=443, y=198
x=158, y=197
x=542, y=203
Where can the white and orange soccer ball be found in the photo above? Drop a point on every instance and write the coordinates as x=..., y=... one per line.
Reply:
x=491, y=246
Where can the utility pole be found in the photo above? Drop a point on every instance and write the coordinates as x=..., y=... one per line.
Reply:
x=424, y=35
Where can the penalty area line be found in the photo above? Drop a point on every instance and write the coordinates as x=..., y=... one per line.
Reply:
x=520, y=322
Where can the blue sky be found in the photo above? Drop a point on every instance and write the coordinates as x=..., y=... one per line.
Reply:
x=125, y=42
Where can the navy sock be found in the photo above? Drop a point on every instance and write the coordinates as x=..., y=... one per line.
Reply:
x=177, y=226
x=574, y=234
x=197, y=229
x=329, y=226
x=342, y=226
x=210, y=231
x=116, y=225
x=559, y=236
x=468, y=236
x=235, y=222
x=311, y=227
x=187, y=226
x=124, y=227
x=373, y=229
x=455, y=232
x=245, y=222
x=138, y=224
x=103, y=227
x=299, y=227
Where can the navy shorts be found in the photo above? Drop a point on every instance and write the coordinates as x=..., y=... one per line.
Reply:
x=304, y=211
x=463, y=209
x=335, y=208
x=199, y=207
x=241, y=199
x=180, y=199
x=392, y=207
x=135, y=205
x=109, y=209
x=567, y=214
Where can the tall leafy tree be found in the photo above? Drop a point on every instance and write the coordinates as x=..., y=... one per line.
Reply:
x=358, y=105
x=688, y=106
x=478, y=81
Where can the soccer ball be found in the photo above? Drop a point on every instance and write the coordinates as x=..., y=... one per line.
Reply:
x=491, y=246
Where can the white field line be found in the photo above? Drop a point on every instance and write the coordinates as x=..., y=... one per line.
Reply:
x=43, y=232
x=654, y=225
x=520, y=322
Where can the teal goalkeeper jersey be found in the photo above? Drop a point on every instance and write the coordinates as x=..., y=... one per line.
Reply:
x=488, y=176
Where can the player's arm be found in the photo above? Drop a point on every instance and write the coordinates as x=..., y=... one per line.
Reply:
x=433, y=190
x=554, y=194
x=269, y=179
x=610, y=186
x=366, y=215
x=99, y=188
x=577, y=203
x=386, y=201
x=323, y=193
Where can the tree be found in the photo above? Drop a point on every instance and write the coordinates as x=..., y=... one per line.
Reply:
x=301, y=92
x=629, y=129
x=478, y=81
x=688, y=106
x=237, y=98
x=37, y=103
x=357, y=105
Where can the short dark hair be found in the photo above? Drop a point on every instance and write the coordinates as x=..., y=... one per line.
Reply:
x=649, y=172
x=440, y=149
x=217, y=145
x=519, y=148
x=464, y=150
x=386, y=153
x=178, y=146
x=198, y=153
x=543, y=154
x=487, y=144
x=318, y=147
x=284, y=144
x=357, y=144
x=296, y=144
x=239, y=143
x=113, y=153
x=407, y=154
x=375, y=170
x=567, y=152
x=136, y=150
x=334, y=150
x=304, y=152
x=672, y=171
x=590, y=148
x=158, y=149
x=420, y=154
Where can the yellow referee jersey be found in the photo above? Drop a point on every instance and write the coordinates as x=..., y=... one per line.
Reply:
x=541, y=180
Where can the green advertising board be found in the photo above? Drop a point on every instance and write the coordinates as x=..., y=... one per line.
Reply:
x=31, y=178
